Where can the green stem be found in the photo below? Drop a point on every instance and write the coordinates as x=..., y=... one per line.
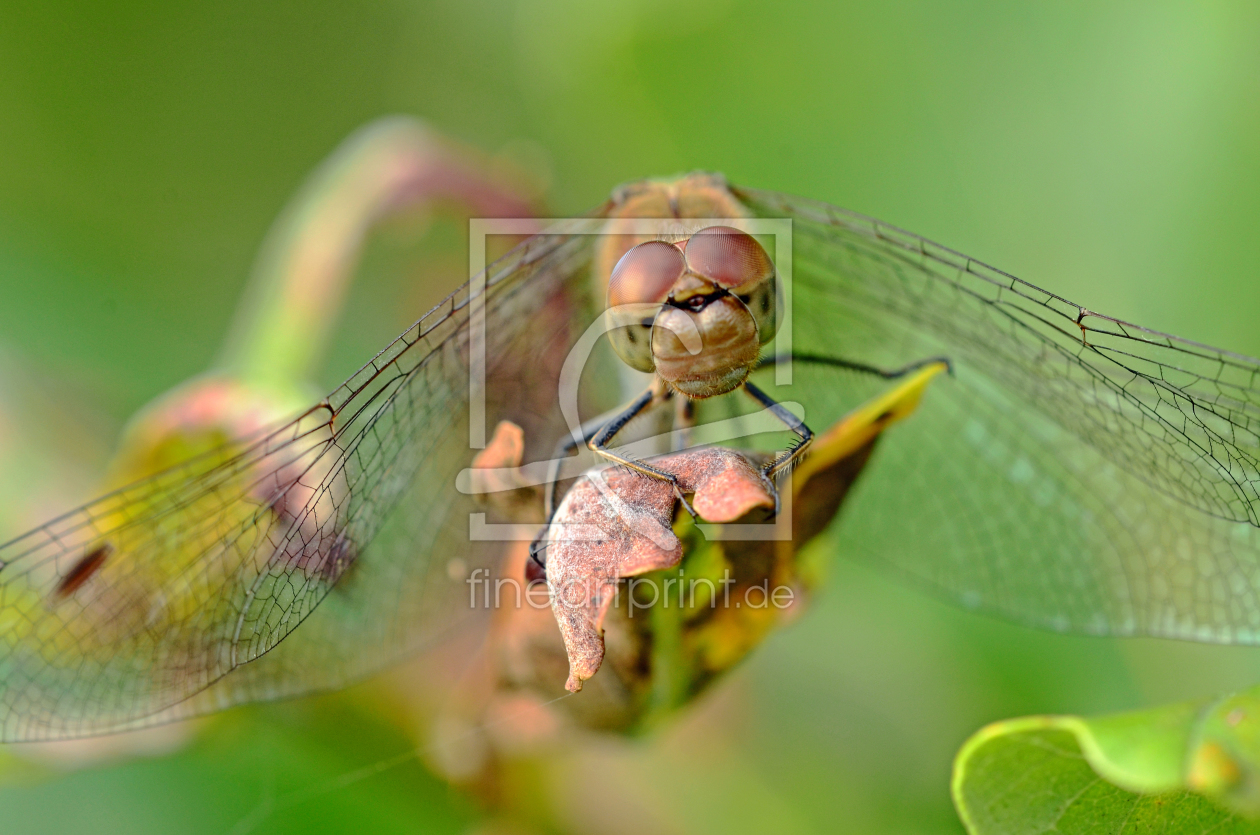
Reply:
x=670, y=674
x=299, y=281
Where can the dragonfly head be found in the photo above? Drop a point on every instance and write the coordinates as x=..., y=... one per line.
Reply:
x=697, y=312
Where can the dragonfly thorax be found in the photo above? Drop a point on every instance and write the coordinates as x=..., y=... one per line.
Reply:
x=695, y=312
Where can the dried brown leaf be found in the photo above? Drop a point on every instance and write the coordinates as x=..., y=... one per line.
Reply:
x=616, y=523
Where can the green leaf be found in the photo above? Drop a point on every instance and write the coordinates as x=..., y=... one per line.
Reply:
x=1192, y=767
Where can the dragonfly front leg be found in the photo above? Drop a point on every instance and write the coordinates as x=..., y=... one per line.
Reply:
x=586, y=434
x=599, y=444
x=564, y=448
x=789, y=457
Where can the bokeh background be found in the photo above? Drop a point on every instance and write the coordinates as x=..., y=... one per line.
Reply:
x=1107, y=151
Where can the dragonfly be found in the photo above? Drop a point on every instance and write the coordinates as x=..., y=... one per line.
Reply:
x=1075, y=472
x=694, y=314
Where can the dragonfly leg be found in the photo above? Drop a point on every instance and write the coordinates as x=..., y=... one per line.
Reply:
x=567, y=445
x=564, y=448
x=860, y=367
x=599, y=444
x=789, y=457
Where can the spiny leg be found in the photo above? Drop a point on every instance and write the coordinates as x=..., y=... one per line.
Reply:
x=587, y=432
x=565, y=447
x=791, y=456
x=795, y=423
x=599, y=444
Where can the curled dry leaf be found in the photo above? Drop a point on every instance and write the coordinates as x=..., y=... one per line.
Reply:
x=615, y=523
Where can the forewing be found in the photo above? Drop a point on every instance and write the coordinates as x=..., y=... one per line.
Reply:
x=1076, y=472
x=172, y=597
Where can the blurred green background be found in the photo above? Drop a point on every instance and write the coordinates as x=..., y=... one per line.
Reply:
x=1108, y=152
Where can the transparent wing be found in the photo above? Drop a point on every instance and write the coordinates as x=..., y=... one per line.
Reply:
x=175, y=596
x=1077, y=472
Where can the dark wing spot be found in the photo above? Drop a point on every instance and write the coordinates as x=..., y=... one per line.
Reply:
x=83, y=570
x=341, y=559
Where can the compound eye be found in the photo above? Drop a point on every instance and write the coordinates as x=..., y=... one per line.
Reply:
x=630, y=332
x=728, y=257
x=645, y=274
x=637, y=289
x=762, y=300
